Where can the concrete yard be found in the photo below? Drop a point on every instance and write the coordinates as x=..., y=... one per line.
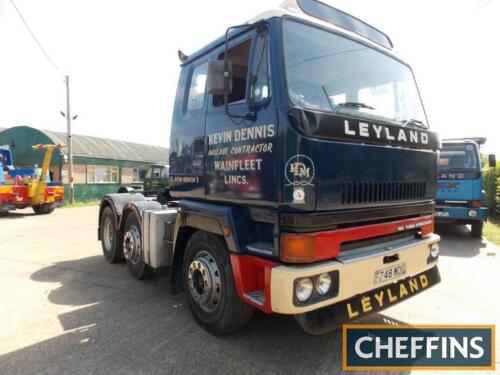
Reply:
x=64, y=309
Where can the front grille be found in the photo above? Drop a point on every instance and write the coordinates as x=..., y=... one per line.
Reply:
x=353, y=245
x=453, y=203
x=378, y=191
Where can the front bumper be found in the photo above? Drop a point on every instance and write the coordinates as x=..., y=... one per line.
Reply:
x=332, y=317
x=356, y=270
x=450, y=213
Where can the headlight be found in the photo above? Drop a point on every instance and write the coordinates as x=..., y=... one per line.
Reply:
x=304, y=289
x=434, y=250
x=472, y=213
x=323, y=283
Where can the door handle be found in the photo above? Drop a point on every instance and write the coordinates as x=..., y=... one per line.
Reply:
x=199, y=145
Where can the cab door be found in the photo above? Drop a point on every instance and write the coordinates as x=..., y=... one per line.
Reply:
x=240, y=153
x=186, y=160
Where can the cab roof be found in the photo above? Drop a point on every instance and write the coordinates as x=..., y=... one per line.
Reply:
x=317, y=13
x=478, y=140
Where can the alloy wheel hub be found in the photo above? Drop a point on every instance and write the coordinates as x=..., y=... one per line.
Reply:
x=204, y=281
x=108, y=233
x=132, y=245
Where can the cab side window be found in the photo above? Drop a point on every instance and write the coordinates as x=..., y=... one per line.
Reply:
x=239, y=56
x=196, y=96
x=259, y=74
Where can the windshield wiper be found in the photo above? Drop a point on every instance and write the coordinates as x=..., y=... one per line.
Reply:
x=353, y=105
x=414, y=122
x=330, y=102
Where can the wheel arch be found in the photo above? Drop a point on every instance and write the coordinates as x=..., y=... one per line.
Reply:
x=117, y=203
x=137, y=208
x=183, y=235
x=211, y=218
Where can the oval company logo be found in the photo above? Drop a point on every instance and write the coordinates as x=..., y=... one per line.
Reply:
x=299, y=171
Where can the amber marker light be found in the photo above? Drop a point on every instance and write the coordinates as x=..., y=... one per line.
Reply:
x=297, y=248
x=226, y=231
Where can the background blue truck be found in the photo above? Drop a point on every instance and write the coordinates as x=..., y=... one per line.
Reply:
x=460, y=197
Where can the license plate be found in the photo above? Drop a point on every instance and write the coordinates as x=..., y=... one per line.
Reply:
x=390, y=273
x=442, y=213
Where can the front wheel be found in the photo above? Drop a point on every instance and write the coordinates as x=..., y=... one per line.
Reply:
x=132, y=249
x=209, y=284
x=476, y=229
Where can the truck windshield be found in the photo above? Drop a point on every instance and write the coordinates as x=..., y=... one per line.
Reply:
x=328, y=72
x=458, y=157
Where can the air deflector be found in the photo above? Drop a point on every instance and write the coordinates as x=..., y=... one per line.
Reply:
x=344, y=20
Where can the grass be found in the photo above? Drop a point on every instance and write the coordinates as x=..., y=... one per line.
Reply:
x=66, y=204
x=492, y=229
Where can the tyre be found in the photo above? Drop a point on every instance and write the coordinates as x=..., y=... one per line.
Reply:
x=44, y=208
x=476, y=229
x=110, y=236
x=132, y=249
x=209, y=285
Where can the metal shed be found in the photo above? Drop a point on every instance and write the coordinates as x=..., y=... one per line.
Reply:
x=100, y=165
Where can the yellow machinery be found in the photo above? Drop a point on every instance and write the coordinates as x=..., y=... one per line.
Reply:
x=37, y=193
x=20, y=188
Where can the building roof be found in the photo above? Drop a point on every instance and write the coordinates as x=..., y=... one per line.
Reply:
x=103, y=148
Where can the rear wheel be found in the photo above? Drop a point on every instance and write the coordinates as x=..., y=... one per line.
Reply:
x=209, y=284
x=132, y=249
x=110, y=236
x=476, y=229
x=44, y=208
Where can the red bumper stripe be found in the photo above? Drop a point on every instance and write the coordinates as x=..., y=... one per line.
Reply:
x=327, y=244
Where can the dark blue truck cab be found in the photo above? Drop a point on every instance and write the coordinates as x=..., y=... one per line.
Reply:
x=302, y=176
x=460, y=197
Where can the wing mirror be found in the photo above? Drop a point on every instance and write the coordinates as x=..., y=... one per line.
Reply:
x=220, y=76
x=216, y=77
x=492, y=160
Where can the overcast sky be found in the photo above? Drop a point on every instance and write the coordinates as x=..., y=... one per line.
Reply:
x=121, y=56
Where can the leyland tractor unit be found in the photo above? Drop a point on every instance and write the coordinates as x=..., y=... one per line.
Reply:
x=460, y=197
x=24, y=187
x=302, y=176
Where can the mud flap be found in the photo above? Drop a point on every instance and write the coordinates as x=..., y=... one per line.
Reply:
x=332, y=317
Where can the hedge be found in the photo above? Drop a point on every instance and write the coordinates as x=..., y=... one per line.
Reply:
x=492, y=188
